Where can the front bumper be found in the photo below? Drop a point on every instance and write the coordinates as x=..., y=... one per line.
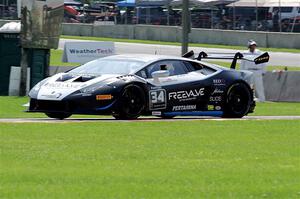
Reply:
x=82, y=106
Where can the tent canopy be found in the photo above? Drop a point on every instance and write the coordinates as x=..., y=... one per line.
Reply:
x=126, y=3
x=202, y=2
x=134, y=3
x=266, y=3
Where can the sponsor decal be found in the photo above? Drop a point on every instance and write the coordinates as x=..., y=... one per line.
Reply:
x=184, y=108
x=210, y=107
x=217, y=91
x=215, y=98
x=157, y=99
x=62, y=85
x=82, y=52
x=186, y=95
x=156, y=113
x=219, y=82
x=155, y=87
x=91, y=51
x=217, y=108
x=52, y=95
x=104, y=97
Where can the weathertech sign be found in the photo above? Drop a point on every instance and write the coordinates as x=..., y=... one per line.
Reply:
x=83, y=52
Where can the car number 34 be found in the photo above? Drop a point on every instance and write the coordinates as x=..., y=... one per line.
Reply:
x=157, y=99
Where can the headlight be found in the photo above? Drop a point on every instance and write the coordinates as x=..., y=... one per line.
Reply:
x=91, y=89
x=34, y=91
x=37, y=87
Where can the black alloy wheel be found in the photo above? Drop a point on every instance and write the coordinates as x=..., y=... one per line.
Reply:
x=238, y=101
x=131, y=103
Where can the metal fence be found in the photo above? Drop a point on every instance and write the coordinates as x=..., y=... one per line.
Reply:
x=251, y=15
x=8, y=9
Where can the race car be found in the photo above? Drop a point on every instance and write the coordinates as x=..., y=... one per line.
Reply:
x=129, y=86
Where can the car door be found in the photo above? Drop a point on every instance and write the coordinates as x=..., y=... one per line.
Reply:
x=177, y=92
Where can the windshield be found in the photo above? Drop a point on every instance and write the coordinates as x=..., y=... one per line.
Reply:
x=108, y=66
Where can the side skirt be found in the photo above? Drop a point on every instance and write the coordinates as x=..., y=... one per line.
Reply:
x=195, y=113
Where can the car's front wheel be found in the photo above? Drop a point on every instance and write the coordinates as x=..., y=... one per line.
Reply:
x=238, y=101
x=59, y=116
x=131, y=103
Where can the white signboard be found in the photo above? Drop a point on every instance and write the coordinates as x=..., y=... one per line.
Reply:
x=82, y=52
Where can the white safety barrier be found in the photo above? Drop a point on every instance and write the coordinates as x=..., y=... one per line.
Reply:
x=14, y=81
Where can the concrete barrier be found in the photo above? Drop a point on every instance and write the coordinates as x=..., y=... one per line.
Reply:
x=114, y=31
x=227, y=37
x=283, y=40
x=77, y=29
x=173, y=34
x=282, y=86
x=197, y=35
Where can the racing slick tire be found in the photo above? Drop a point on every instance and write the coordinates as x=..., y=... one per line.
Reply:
x=238, y=101
x=59, y=116
x=131, y=103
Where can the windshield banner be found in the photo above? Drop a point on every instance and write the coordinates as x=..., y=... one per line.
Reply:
x=83, y=52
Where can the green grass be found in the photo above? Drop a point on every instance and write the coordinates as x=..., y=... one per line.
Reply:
x=11, y=107
x=56, y=59
x=177, y=44
x=194, y=159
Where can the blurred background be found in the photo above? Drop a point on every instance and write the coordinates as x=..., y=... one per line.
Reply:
x=252, y=15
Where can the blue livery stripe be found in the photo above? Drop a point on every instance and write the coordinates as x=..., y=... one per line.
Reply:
x=106, y=107
x=195, y=113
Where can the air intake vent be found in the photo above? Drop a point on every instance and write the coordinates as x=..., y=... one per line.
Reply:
x=64, y=78
x=83, y=79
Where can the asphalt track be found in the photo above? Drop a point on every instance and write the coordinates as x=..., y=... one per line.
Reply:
x=142, y=119
x=276, y=58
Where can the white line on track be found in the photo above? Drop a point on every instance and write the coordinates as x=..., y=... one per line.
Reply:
x=142, y=119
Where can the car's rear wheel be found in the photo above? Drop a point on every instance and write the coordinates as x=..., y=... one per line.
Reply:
x=238, y=101
x=131, y=103
x=59, y=116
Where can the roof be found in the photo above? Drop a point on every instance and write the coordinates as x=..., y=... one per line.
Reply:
x=142, y=57
x=266, y=3
x=11, y=27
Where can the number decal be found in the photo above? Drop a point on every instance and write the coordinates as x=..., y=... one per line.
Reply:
x=157, y=99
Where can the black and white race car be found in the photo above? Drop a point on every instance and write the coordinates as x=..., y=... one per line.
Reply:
x=128, y=86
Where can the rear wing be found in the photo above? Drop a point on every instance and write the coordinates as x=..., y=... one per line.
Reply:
x=264, y=58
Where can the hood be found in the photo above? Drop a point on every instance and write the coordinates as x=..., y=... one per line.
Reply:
x=61, y=85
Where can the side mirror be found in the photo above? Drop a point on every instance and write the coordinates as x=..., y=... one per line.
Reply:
x=159, y=74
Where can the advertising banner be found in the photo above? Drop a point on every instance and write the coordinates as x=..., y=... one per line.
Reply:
x=41, y=23
x=82, y=52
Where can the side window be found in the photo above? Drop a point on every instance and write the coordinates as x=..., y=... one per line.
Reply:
x=192, y=66
x=173, y=66
x=142, y=74
x=203, y=69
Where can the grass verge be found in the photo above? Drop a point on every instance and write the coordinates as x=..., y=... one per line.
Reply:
x=11, y=107
x=195, y=159
x=177, y=44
